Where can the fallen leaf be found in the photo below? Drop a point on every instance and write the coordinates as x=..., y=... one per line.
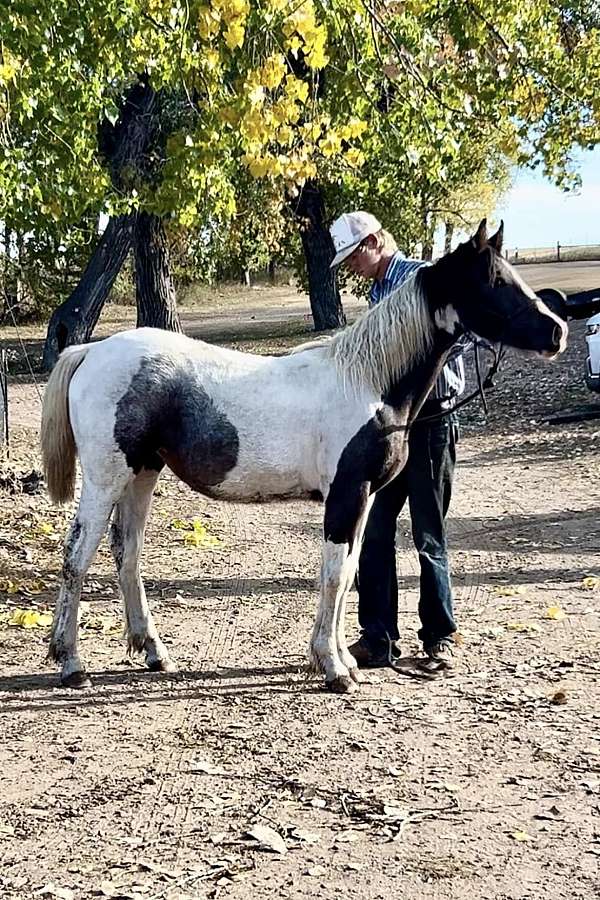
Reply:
x=7, y=829
x=590, y=582
x=521, y=836
x=268, y=838
x=44, y=528
x=9, y=587
x=508, y=591
x=29, y=618
x=523, y=627
x=316, y=871
x=555, y=612
x=201, y=537
x=558, y=698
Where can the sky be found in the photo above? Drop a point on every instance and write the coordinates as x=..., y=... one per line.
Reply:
x=537, y=214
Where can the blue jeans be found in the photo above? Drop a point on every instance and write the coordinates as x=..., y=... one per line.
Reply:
x=426, y=481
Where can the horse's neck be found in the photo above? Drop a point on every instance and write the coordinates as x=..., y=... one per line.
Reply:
x=410, y=391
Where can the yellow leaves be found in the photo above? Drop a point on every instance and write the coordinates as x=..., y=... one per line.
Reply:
x=331, y=144
x=179, y=524
x=211, y=59
x=32, y=587
x=590, y=583
x=302, y=31
x=292, y=168
x=509, y=591
x=9, y=587
x=296, y=89
x=257, y=127
x=556, y=613
x=273, y=71
x=44, y=528
x=311, y=131
x=234, y=36
x=201, y=538
x=355, y=157
x=197, y=534
x=258, y=165
x=28, y=618
x=521, y=836
x=209, y=21
x=8, y=70
x=355, y=128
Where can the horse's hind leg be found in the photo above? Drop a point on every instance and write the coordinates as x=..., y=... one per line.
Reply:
x=81, y=544
x=127, y=539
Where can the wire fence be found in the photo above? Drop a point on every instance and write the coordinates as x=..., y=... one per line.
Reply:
x=557, y=253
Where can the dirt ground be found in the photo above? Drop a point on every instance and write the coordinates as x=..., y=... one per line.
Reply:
x=240, y=777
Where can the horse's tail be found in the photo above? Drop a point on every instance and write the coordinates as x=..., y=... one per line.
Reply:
x=58, y=442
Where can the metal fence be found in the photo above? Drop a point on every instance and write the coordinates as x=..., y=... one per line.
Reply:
x=557, y=253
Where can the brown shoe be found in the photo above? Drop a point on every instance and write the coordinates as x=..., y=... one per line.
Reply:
x=439, y=657
x=370, y=655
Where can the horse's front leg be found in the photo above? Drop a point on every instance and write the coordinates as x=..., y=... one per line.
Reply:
x=342, y=644
x=324, y=644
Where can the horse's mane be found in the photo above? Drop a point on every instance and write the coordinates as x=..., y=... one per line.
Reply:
x=381, y=346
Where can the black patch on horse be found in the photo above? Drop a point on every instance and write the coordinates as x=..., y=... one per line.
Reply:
x=165, y=416
x=369, y=460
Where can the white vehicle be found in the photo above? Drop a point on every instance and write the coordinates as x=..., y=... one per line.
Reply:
x=592, y=363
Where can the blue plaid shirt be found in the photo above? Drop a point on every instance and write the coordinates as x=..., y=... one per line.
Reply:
x=451, y=381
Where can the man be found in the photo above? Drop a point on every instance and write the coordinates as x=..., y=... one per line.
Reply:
x=368, y=250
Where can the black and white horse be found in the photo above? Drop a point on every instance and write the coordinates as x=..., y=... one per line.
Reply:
x=330, y=419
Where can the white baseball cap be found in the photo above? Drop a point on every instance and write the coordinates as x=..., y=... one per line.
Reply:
x=349, y=231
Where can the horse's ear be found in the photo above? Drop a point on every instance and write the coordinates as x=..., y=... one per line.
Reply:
x=497, y=239
x=479, y=239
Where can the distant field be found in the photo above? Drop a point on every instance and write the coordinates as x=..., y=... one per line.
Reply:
x=557, y=253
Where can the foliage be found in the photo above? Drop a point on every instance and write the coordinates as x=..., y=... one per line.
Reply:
x=391, y=105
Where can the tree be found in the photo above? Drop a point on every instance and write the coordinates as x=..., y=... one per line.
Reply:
x=410, y=88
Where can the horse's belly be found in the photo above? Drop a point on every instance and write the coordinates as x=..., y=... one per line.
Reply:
x=256, y=483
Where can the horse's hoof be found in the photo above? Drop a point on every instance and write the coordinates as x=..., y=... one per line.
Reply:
x=357, y=676
x=76, y=680
x=162, y=665
x=343, y=684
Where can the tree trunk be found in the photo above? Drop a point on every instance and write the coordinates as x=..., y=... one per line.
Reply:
x=74, y=320
x=428, y=235
x=325, y=301
x=127, y=149
x=155, y=293
x=448, y=237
